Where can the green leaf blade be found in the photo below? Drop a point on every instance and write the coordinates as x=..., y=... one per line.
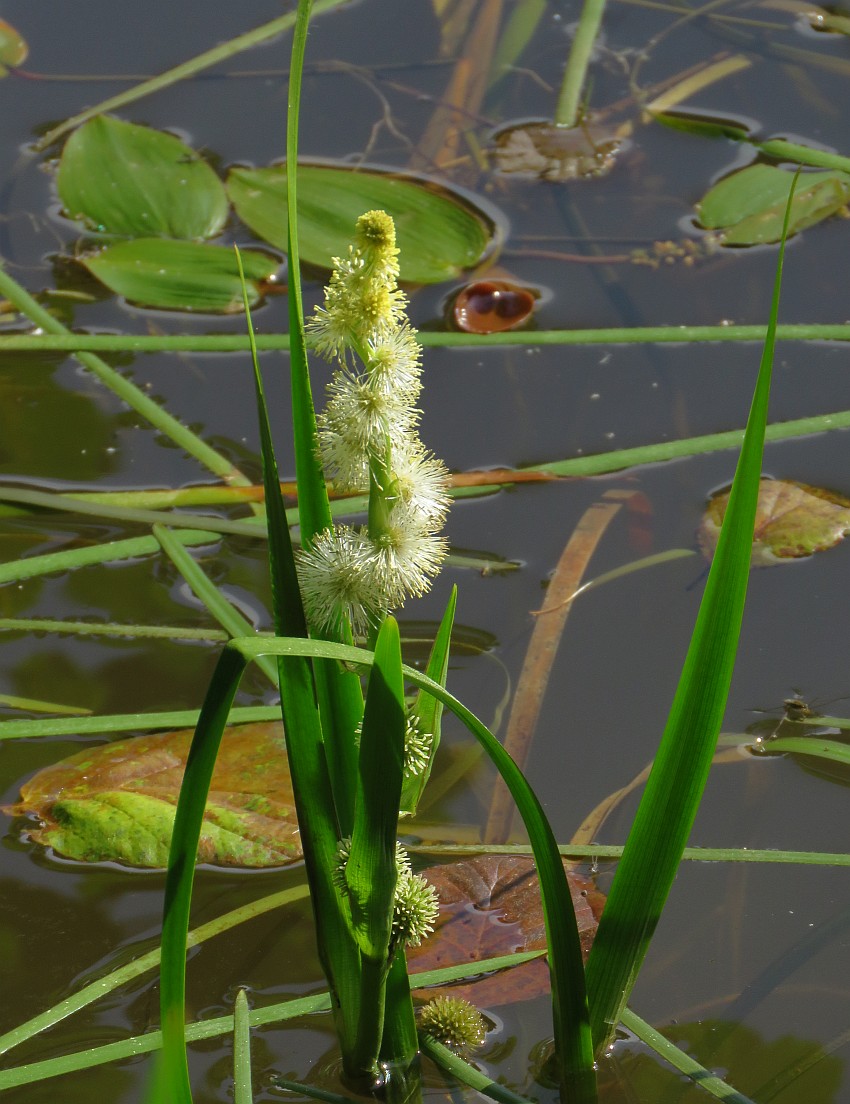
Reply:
x=119, y=178
x=673, y=791
x=179, y=275
x=439, y=234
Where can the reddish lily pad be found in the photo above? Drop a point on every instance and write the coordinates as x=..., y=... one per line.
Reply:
x=792, y=520
x=491, y=906
x=116, y=802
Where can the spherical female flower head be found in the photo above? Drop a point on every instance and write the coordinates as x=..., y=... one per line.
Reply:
x=415, y=909
x=453, y=1022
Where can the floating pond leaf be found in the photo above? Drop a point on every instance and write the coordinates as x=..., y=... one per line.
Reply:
x=748, y=207
x=13, y=48
x=558, y=153
x=180, y=275
x=490, y=906
x=792, y=520
x=492, y=306
x=116, y=802
x=132, y=181
x=439, y=233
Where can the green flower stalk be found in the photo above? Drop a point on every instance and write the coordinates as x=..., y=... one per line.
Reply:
x=369, y=441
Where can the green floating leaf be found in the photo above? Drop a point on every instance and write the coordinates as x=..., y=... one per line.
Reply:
x=116, y=802
x=180, y=275
x=748, y=207
x=439, y=234
x=792, y=520
x=13, y=48
x=119, y=178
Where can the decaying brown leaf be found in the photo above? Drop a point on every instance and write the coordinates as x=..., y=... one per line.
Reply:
x=489, y=906
x=792, y=520
x=116, y=802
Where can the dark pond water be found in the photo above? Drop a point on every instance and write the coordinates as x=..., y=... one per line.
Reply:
x=761, y=953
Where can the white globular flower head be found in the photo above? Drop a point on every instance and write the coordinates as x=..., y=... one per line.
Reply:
x=368, y=441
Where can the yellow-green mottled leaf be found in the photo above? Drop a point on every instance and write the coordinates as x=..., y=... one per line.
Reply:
x=133, y=181
x=180, y=275
x=792, y=520
x=439, y=233
x=13, y=48
x=748, y=207
x=116, y=802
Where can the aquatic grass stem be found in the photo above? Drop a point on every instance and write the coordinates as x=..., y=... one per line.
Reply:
x=65, y=341
x=675, y=786
x=567, y=109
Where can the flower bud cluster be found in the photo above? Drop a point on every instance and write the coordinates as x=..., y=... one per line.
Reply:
x=369, y=441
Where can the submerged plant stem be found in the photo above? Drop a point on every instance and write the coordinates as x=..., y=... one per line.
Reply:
x=567, y=111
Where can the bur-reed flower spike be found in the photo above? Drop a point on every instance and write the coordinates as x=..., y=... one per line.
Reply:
x=368, y=440
x=454, y=1022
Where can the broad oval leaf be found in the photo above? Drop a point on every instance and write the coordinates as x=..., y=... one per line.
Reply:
x=116, y=802
x=489, y=906
x=180, y=275
x=792, y=520
x=748, y=207
x=129, y=180
x=439, y=233
x=13, y=48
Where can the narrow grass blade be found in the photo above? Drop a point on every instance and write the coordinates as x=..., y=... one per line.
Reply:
x=227, y=616
x=242, y=1091
x=141, y=965
x=69, y=504
x=339, y=695
x=110, y=628
x=222, y=1025
x=468, y=1075
x=681, y=1061
x=181, y=867
x=125, y=722
x=570, y=1010
x=338, y=691
x=190, y=68
x=109, y=552
x=371, y=871
x=675, y=785
x=427, y=711
x=143, y=404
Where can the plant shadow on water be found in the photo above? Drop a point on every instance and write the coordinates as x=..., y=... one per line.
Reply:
x=749, y=961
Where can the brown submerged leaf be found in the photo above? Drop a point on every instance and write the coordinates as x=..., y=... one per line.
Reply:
x=490, y=906
x=792, y=520
x=116, y=802
x=558, y=153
